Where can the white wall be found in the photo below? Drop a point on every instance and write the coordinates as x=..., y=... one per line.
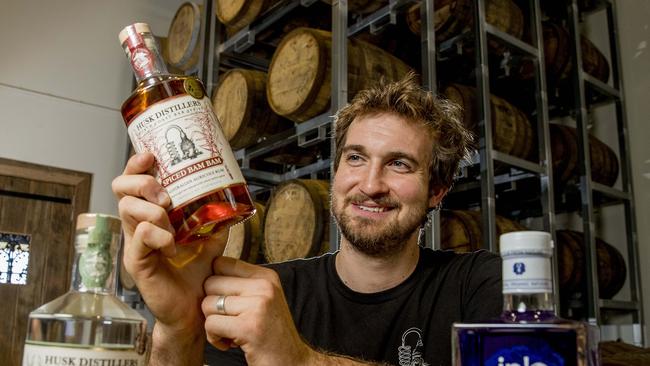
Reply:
x=634, y=21
x=63, y=77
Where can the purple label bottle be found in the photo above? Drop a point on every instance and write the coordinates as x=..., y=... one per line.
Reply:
x=528, y=333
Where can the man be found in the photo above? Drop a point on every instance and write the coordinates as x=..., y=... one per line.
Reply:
x=381, y=299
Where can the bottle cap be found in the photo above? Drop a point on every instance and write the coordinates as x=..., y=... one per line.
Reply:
x=131, y=32
x=526, y=266
x=88, y=220
x=526, y=242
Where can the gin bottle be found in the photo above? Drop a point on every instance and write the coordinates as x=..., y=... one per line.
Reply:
x=171, y=117
x=88, y=325
x=528, y=332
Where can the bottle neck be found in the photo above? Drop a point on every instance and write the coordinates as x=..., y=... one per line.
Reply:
x=528, y=307
x=95, y=262
x=527, y=287
x=144, y=55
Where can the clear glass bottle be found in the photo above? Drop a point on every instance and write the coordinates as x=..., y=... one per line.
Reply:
x=89, y=325
x=528, y=333
x=172, y=117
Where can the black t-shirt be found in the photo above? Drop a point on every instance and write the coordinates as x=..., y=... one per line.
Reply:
x=409, y=324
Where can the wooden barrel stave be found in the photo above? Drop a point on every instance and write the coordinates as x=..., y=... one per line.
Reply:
x=564, y=152
x=461, y=230
x=512, y=132
x=239, y=102
x=297, y=220
x=240, y=13
x=611, y=266
x=570, y=261
x=299, y=83
x=452, y=17
x=557, y=54
x=245, y=239
x=183, y=36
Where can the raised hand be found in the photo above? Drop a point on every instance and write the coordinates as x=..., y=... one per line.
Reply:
x=169, y=277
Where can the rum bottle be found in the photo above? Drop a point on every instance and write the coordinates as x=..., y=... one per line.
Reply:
x=528, y=333
x=88, y=325
x=171, y=117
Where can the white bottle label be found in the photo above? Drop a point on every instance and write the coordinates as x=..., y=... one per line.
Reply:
x=192, y=153
x=37, y=355
x=526, y=274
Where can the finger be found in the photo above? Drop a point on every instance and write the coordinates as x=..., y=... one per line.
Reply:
x=227, y=285
x=133, y=210
x=222, y=344
x=237, y=268
x=222, y=330
x=233, y=304
x=140, y=185
x=139, y=163
x=147, y=238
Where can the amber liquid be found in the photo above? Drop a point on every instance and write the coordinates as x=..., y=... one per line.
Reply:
x=203, y=216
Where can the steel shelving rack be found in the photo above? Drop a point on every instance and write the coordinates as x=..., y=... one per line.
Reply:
x=216, y=53
x=590, y=92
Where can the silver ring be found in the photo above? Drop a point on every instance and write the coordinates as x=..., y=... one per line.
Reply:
x=221, y=304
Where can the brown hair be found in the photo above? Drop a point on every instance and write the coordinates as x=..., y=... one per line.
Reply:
x=405, y=98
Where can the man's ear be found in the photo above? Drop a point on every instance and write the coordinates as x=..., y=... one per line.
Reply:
x=436, y=194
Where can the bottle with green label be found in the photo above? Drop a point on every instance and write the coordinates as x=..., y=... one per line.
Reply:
x=89, y=325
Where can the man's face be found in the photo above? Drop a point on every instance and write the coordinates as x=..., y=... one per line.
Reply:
x=380, y=191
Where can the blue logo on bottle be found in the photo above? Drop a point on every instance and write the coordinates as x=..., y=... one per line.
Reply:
x=526, y=356
x=519, y=268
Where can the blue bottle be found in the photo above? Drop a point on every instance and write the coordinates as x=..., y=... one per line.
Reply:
x=528, y=332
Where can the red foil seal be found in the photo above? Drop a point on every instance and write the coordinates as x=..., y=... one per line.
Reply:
x=142, y=59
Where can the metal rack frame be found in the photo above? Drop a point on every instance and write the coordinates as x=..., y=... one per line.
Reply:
x=589, y=91
x=583, y=84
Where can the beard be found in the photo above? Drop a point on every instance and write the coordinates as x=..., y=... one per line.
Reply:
x=378, y=239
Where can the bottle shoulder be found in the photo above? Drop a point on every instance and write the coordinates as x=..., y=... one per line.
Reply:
x=86, y=305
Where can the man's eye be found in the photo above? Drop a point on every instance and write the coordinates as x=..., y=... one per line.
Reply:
x=400, y=164
x=354, y=157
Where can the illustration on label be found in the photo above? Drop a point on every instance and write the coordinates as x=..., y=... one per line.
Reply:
x=192, y=155
x=182, y=142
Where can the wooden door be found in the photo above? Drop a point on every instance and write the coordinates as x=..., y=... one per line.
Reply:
x=41, y=203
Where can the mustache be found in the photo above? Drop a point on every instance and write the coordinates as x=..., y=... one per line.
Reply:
x=382, y=201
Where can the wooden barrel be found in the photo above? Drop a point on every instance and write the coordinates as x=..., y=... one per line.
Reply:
x=611, y=266
x=183, y=37
x=245, y=239
x=299, y=82
x=564, y=152
x=556, y=51
x=452, y=17
x=240, y=104
x=297, y=220
x=461, y=230
x=236, y=14
x=557, y=54
x=511, y=130
x=571, y=260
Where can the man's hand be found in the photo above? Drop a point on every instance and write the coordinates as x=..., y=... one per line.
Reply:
x=256, y=318
x=170, y=278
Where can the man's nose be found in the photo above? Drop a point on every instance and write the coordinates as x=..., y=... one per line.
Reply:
x=373, y=182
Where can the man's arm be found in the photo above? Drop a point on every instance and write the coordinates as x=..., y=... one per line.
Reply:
x=171, y=347
x=325, y=359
